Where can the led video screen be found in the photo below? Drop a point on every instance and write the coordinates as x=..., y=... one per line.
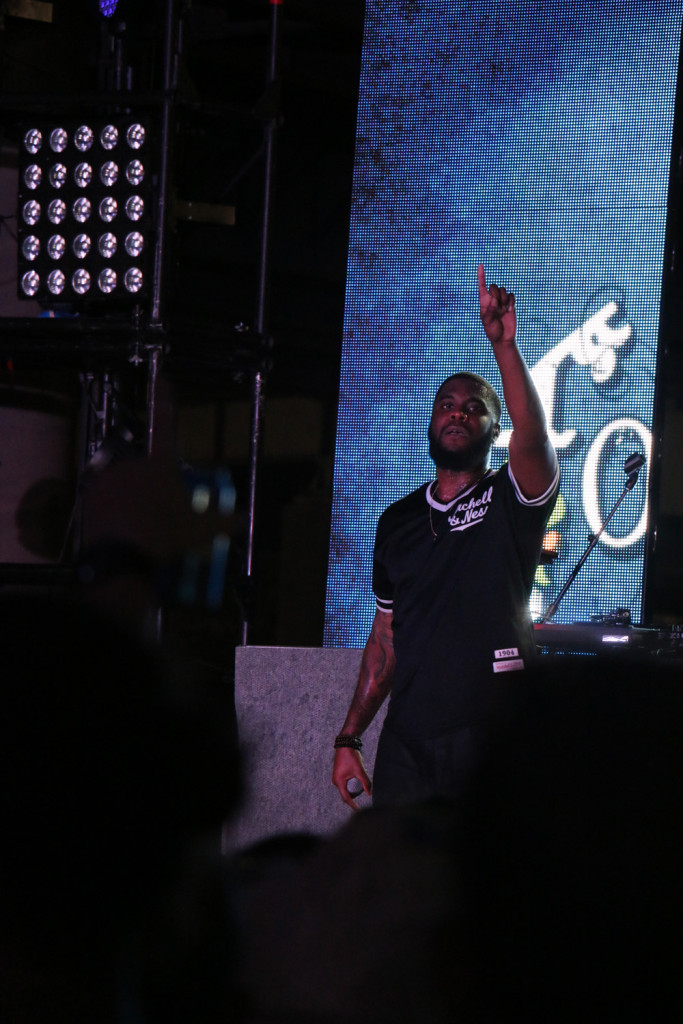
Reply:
x=535, y=139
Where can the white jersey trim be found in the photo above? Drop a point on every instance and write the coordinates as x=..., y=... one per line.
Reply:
x=541, y=500
x=459, y=497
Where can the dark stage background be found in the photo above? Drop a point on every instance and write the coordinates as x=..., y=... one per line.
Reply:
x=214, y=273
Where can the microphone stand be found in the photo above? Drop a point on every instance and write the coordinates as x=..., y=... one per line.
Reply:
x=632, y=467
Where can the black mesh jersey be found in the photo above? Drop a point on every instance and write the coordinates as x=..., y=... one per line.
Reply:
x=460, y=599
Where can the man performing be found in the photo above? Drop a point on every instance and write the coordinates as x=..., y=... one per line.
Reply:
x=453, y=567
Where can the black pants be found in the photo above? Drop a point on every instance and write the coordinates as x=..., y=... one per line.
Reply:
x=409, y=769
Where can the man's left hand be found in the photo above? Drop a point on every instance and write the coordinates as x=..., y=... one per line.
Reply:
x=497, y=308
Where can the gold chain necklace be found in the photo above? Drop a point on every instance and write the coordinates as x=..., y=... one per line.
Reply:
x=431, y=525
x=435, y=535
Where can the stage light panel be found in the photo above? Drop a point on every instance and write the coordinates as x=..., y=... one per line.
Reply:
x=58, y=140
x=108, y=244
x=84, y=211
x=83, y=138
x=81, y=210
x=56, y=212
x=55, y=282
x=32, y=212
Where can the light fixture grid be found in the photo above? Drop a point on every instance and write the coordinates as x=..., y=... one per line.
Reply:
x=132, y=150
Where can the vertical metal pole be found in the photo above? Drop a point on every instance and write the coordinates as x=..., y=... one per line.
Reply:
x=171, y=39
x=259, y=382
x=170, y=65
x=153, y=365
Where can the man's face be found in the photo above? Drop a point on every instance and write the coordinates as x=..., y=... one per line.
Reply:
x=463, y=427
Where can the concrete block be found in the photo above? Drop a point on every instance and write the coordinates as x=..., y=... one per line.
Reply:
x=290, y=704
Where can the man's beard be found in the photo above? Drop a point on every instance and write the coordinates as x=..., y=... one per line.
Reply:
x=476, y=455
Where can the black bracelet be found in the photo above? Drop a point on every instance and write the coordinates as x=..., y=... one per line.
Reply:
x=347, y=740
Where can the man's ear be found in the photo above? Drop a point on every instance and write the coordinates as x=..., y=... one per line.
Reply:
x=496, y=431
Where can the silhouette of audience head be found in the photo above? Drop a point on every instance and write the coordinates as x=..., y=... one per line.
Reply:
x=574, y=848
x=117, y=764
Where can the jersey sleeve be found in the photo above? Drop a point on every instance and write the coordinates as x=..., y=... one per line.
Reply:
x=543, y=499
x=382, y=586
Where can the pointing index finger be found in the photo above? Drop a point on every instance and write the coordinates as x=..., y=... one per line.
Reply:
x=481, y=277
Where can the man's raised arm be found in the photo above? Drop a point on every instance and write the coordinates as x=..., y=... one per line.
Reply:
x=374, y=683
x=532, y=457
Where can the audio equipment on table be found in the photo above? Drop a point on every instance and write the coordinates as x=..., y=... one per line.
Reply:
x=609, y=637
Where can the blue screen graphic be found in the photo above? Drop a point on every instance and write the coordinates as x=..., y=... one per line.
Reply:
x=535, y=139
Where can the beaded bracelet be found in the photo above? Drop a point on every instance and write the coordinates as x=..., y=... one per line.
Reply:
x=347, y=740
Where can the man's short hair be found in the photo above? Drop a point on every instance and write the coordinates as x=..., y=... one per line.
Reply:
x=491, y=393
